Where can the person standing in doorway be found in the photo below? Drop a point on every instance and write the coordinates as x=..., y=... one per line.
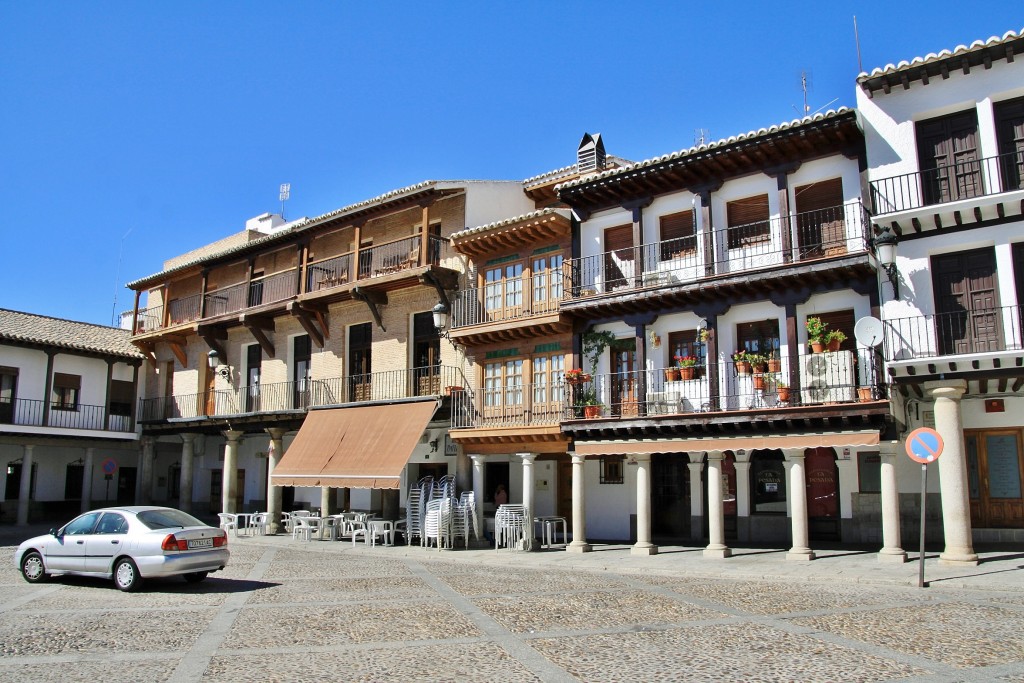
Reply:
x=500, y=495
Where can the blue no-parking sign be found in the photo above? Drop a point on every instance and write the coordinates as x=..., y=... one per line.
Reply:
x=924, y=445
x=109, y=466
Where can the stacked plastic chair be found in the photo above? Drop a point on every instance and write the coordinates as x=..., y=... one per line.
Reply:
x=419, y=493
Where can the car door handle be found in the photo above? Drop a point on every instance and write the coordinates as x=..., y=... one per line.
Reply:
x=79, y=542
x=115, y=542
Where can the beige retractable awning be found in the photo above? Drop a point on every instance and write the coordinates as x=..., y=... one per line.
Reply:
x=364, y=447
x=826, y=440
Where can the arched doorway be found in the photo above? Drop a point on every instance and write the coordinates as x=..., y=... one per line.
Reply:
x=822, y=494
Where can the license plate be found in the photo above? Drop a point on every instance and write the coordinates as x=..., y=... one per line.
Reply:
x=200, y=543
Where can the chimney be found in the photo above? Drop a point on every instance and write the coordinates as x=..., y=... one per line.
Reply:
x=590, y=155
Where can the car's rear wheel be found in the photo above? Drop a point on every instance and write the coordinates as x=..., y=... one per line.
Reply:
x=32, y=568
x=126, y=575
x=195, y=577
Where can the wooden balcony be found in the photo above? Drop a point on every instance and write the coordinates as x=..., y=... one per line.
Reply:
x=512, y=308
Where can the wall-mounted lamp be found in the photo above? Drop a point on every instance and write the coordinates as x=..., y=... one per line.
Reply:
x=885, y=250
x=213, y=359
x=433, y=445
x=440, y=313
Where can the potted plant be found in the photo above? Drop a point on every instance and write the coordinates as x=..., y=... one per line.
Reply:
x=687, y=366
x=774, y=363
x=739, y=357
x=816, y=331
x=588, y=404
x=865, y=393
x=782, y=391
x=834, y=339
x=576, y=376
x=672, y=371
x=757, y=361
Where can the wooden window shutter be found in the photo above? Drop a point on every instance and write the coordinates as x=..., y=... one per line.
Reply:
x=677, y=235
x=748, y=221
x=619, y=238
x=65, y=381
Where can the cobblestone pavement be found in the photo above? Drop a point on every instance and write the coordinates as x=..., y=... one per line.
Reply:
x=287, y=610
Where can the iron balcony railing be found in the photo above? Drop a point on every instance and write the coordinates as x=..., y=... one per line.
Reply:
x=966, y=179
x=983, y=330
x=264, y=290
x=776, y=242
x=305, y=394
x=31, y=413
x=807, y=380
x=509, y=299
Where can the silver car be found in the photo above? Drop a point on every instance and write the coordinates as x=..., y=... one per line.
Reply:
x=127, y=544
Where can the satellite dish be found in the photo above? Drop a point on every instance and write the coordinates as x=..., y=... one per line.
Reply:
x=868, y=331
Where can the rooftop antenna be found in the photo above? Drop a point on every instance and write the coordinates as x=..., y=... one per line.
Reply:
x=114, y=322
x=856, y=38
x=285, y=193
x=805, y=84
x=700, y=136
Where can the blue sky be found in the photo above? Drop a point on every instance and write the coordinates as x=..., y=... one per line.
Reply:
x=132, y=132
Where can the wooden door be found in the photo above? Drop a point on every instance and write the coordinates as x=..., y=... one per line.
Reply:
x=820, y=220
x=360, y=366
x=967, y=317
x=624, y=377
x=995, y=472
x=619, y=262
x=564, y=503
x=822, y=494
x=948, y=154
x=209, y=395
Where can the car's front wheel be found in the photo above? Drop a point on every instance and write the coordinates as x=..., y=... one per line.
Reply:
x=195, y=577
x=32, y=568
x=126, y=575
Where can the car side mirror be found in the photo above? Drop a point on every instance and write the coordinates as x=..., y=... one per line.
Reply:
x=53, y=532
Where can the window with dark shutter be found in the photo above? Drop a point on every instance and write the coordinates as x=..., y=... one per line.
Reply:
x=821, y=225
x=65, y=391
x=122, y=394
x=947, y=149
x=618, y=258
x=841, y=321
x=1009, y=117
x=760, y=337
x=748, y=221
x=677, y=235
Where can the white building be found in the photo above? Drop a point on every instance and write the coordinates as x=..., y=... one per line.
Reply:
x=945, y=147
x=67, y=416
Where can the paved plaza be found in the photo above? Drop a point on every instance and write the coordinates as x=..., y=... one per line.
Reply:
x=289, y=610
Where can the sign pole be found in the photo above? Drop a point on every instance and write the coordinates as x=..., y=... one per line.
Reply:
x=924, y=489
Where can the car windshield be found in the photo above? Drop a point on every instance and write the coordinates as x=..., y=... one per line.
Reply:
x=165, y=519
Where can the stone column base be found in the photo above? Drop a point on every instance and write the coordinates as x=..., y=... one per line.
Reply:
x=955, y=559
x=718, y=552
x=644, y=549
x=800, y=554
x=578, y=547
x=892, y=555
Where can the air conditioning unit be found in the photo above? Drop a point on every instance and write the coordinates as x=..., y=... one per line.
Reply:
x=827, y=378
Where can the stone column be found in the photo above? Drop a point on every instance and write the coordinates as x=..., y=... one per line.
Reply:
x=956, y=504
x=643, y=545
x=326, y=504
x=798, y=505
x=528, y=503
x=274, y=453
x=87, y=479
x=478, y=491
x=716, y=509
x=892, y=550
x=25, y=487
x=229, y=480
x=579, y=523
x=696, y=466
x=742, y=497
x=185, y=487
x=146, y=464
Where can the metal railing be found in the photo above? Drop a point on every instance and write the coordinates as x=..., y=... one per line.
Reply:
x=975, y=331
x=509, y=299
x=30, y=413
x=518, y=405
x=264, y=290
x=953, y=182
x=775, y=242
x=305, y=394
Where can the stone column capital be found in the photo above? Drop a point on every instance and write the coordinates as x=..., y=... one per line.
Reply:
x=232, y=434
x=716, y=455
x=276, y=432
x=793, y=454
x=527, y=457
x=477, y=458
x=640, y=457
x=188, y=437
x=578, y=459
x=952, y=389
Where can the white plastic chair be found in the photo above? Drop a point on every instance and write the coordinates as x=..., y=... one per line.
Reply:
x=228, y=521
x=258, y=523
x=303, y=527
x=379, y=528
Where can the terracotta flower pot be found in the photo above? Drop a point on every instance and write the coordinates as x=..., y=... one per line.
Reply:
x=671, y=374
x=783, y=394
x=591, y=412
x=758, y=382
x=864, y=393
x=686, y=373
x=817, y=347
x=834, y=345
x=742, y=368
x=775, y=365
